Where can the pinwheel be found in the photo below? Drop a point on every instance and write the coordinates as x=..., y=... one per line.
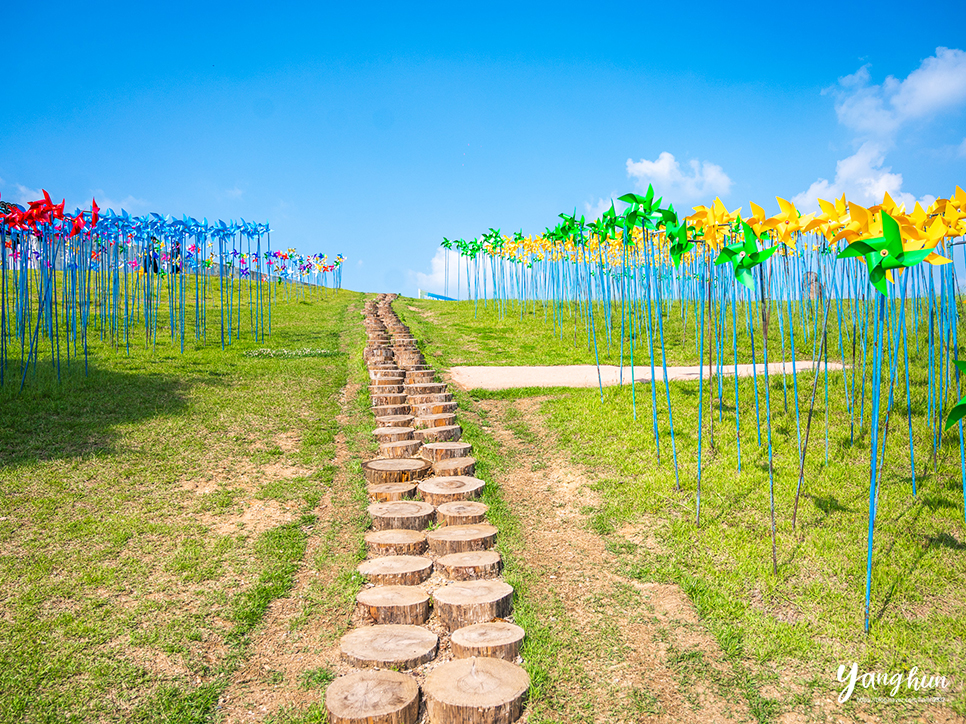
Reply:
x=108, y=270
x=884, y=254
x=745, y=255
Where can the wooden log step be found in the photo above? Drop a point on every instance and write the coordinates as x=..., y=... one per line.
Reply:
x=400, y=448
x=410, y=514
x=373, y=697
x=437, y=491
x=476, y=691
x=394, y=420
x=450, y=433
x=467, y=602
x=394, y=604
x=436, y=451
x=387, y=389
x=386, y=365
x=426, y=375
x=386, y=492
x=433, y=408
x=427, y=399
x=393, y=645
x=454, y=466
x=396, y=542
x=472, y=566
x=386, y=410
x=425, y=388
x=496, y=640
x=386, y=374
x=395, y=470
x=461, y=538
x=462, y=512
x=393, y=434
x=442, y=419
x=382, y=399
x=397, y=570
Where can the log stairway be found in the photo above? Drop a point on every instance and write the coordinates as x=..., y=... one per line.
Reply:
x=434, y=600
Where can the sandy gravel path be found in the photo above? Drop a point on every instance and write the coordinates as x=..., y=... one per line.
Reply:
x=502, y=378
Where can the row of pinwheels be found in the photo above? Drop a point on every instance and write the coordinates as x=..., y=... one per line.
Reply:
x=821, y=279
x=64, y=274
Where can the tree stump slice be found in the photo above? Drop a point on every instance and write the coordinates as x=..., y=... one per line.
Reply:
x=461, y=512
x=393, y=434
x=382, y=399
x=436, y=451
x=395, y=470
x=390, y=645
x=387, y=377
x=373, y=697
x=396, y=542
x=467, y=602
x=426, y=375
x=408, y=361
x=447, y=433
x=461, y=538
x=430, y=398
x=433, y=408
x=408, y=514
x=394, y=604
x=387, y=389
x=397, y=570
x=472, y=566
x=394, y=420
x=386, y=410
x=475, y=691
x=437, y=491
x=454, y=466
x=440, y=420
x=400, y=448
x=424, y=388
x=498, y=640
x=387, y=492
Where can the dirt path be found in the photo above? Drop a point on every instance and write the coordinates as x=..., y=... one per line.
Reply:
x=502, y=378
x=642, y=649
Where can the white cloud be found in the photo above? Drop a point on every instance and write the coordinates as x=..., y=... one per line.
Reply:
x=861, y=177
x=24, y=195
x=937, y=85
x=232, y=193
x=129, y=203
x=877, y=114
x=435, y=280
x=596, y=210
x=705, y=181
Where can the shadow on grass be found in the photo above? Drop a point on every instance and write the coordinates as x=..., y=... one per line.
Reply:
x=77, y=417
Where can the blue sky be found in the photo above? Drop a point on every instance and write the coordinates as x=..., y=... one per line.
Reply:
x=375, y=130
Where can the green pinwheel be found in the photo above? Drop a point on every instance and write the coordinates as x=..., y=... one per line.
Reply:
x=959, y=409
x=745, y=255
x=677, y=234
x=644, y=210
x=884, y=253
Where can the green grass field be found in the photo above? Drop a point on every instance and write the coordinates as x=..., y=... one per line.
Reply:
x=809, y=618
x=151, y=511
